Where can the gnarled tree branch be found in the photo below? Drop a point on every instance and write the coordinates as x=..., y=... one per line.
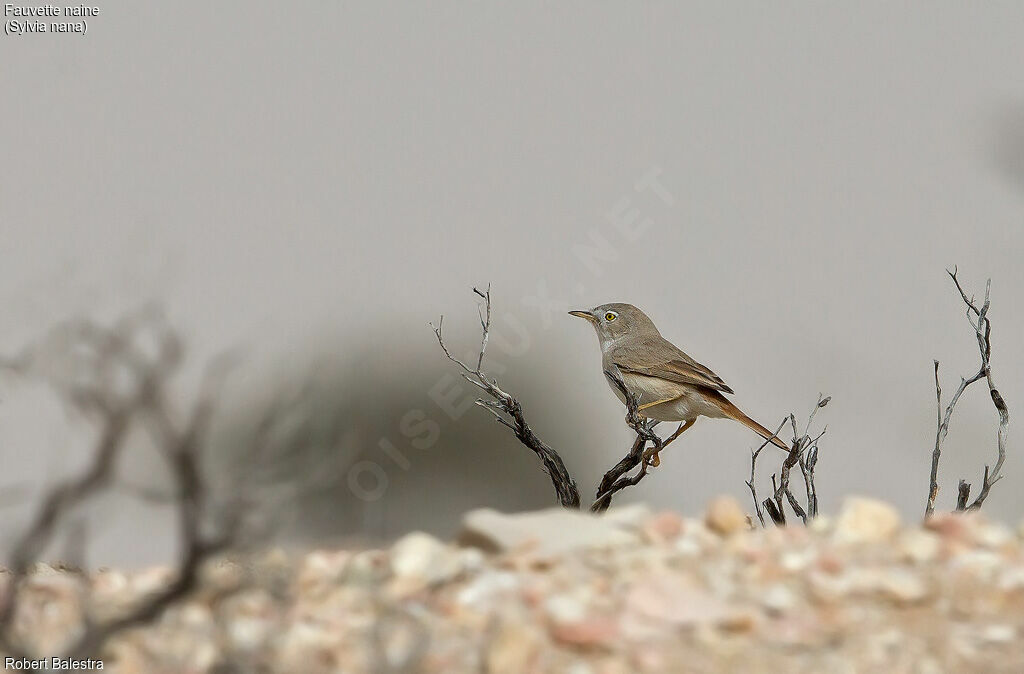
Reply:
x=502, y=403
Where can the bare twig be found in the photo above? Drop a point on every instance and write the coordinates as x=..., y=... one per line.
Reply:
x=804, y=454
x=978, y=318
x=753, y=468
x=503, y=403
x=616, y=479
x=614, y=476
x=963, y=495
x=774, y=507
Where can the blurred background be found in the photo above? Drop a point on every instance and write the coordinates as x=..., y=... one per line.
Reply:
x=779, y=188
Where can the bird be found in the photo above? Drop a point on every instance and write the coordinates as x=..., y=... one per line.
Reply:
x=667, y=384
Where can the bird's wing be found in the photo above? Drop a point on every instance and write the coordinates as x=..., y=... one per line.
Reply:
x=657, y=357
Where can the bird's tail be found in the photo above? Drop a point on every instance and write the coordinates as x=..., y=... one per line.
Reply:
x=737, y=414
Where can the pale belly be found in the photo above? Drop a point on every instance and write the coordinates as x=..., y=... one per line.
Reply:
x=687, y=402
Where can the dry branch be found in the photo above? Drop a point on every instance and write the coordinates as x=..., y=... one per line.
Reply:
x=979, y=321
x=501, y=403
x=616, y=479
x=119, y=385
x=803, y=453
x=508, y=411
x=753, y=469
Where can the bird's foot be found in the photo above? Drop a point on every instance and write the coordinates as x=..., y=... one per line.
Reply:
x=651, y=458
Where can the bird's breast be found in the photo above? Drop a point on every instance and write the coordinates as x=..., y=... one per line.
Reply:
x=683, y=402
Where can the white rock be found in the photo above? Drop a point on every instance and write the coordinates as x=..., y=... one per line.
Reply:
x=668, y=599
x=993, y=535
x=902, y=585
x=1011, y=579
x=821, y=524
x=579, y=667
x=864, y=520
x=778, y=598
x=486, y=586
x=688, y=546
x=546, y=533
x=918, y=545
x=797, y=560
x=632, y=515
x=566, y=608
x=830, y=588
x=981, y=564
x=999, y=634
x=419, y=556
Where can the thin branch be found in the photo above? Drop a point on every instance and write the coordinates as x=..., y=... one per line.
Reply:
x=753, y=468
x=617, y=479
x=963, y=494
x=485, y=325
x=803, y=453
x=774, y=507
x=502, y=402
x=983, y=331
x=613, y=477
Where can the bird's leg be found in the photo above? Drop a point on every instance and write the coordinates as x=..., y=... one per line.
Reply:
x=656, y=402
x=655, y=459
x=641, y=408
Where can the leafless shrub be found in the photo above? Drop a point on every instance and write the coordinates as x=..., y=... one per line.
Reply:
x=803, y=453
x=118, y=378
x=978, y=318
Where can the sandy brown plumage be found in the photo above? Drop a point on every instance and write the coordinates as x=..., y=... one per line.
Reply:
x=668, y=383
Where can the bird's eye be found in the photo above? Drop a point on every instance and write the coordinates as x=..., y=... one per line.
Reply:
x=610, y=316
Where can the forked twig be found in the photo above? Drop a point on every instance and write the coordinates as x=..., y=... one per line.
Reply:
x=502, y=403
x=978, y=318
x=804, y=454
x=753, y=468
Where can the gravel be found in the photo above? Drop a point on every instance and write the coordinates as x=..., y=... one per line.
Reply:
x=558, y=591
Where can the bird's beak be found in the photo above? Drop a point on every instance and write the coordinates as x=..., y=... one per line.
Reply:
x=584, y=314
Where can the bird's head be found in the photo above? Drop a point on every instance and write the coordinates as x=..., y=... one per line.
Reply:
x=616, y=320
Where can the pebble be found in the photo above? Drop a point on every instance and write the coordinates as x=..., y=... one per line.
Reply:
x=919, y=546
x=779, y=599
x=419, y=558
x=630, y=591
x=514, y=649
x=665, y=526
x=902, y=586
x=999, y=634
x=863, y=520
x=725, y=516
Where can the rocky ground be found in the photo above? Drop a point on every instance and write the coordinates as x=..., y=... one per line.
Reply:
x=558, y=591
